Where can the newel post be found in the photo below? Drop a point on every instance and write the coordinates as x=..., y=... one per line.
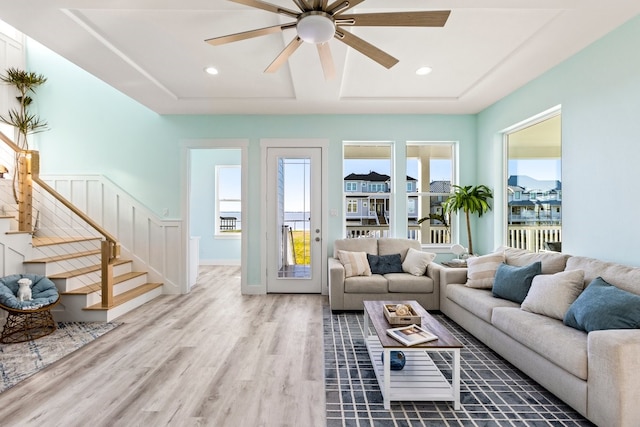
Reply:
x=26, y=161
x=107, y=274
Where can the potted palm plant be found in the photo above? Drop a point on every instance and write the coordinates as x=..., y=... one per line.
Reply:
x=26, y=83
x=470, y=199
x=26, y=122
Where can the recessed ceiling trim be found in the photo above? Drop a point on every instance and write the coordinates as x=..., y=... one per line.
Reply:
x=514, y=51
x=82, y=22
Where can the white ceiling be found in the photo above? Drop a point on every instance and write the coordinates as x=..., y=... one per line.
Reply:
x=154, y=51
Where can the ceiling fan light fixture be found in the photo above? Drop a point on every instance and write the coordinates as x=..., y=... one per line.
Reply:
x=423, y=71
x=315, y=27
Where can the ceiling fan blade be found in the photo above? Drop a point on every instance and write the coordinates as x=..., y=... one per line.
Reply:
x=366, y=48
x=327, y=61
x=284, y=55
x=436, y=18
x=302, y=5
x=216, y=41
x=268, y=7
x=340, y=6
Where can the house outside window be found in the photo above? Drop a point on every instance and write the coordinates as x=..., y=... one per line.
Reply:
x=352, y=186
x=352, y=206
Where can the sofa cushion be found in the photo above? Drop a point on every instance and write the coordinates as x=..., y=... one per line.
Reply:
x=603, y=306
x=388, y=246
x=367, y=245
x=552, y=294
x=383, y=264
x=480, y=302
x=403, y=282
x=355, y=263
x=620, y=276
x=552, y=262
x=513, y=282
x=566, y=347
x=416, y=262
x=374, y=284
x=481, y=270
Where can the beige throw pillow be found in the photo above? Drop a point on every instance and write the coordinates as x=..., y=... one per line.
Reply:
x=355, y=263
x=481, y=270
x=552, y=294
x=416, y=262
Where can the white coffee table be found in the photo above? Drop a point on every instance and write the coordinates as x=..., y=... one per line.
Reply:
x=420, y=379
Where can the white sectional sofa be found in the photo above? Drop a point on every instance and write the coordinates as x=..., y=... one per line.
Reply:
x=597, y=373
x=347, y=293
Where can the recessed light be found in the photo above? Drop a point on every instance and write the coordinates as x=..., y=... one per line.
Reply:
x=211, y=70
x=423, y=71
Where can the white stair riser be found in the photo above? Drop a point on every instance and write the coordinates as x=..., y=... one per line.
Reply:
x=119, y=288
x=72, y=283
x=72, y=310
x=47, y=251
x=54, y=267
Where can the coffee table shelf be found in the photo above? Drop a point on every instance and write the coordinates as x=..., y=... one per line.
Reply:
x=420, y=379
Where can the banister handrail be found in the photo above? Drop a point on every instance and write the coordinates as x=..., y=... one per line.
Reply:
x=35, y=176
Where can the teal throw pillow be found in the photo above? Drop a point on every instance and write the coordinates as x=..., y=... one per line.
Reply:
x=383, y=264
x=603, y=306
x=513, y=282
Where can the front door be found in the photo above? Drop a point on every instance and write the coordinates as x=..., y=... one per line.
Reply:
x=294, y=220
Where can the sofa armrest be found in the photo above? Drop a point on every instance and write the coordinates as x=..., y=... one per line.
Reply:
x=613, y=377
x=450, y=276
x=336, y=284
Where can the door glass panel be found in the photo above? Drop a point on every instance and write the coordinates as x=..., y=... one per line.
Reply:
x=294, y=207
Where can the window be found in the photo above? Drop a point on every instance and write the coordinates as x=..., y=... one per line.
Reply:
x=352, y=186
x=369, y=164
x=352, y=206
x=534, y=183
x=430, y=168
x=228, y=200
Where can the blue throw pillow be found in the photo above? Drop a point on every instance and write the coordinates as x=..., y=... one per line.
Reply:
x=513, y=282
x=603, y=306
x=383, y=264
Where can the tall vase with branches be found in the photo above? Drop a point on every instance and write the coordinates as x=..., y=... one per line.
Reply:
x=26, y=122
x=470, y=199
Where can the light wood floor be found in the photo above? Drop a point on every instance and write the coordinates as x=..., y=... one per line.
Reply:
x=210, y=358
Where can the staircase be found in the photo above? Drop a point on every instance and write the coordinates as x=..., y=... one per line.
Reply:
x=43, y=232
x=73, y=264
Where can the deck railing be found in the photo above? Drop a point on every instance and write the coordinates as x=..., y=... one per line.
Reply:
x=42, y=211
x=531, y=238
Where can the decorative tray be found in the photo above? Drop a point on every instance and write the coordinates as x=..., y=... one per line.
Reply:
x=394, y=319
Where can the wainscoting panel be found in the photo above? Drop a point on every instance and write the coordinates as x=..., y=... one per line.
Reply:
x=154, y=244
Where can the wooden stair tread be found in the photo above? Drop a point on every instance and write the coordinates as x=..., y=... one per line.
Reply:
x=126, y=296
x=64, y=257
x=84, y=270
x=97, y=286
x=46, y=241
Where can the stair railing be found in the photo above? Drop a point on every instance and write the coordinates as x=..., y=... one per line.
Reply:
x=28, y=172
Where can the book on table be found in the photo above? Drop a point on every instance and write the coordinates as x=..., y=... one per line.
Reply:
x=411, y=335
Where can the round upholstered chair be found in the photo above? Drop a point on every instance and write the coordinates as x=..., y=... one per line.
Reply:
x=27, y=320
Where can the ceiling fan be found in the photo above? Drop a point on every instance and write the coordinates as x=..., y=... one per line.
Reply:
x=317, y=22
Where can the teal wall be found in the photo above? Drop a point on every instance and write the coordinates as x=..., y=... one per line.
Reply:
x=599, y=91
x=202, y=209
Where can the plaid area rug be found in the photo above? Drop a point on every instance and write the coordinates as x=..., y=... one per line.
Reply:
x=21, y=360
x=492, y=391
